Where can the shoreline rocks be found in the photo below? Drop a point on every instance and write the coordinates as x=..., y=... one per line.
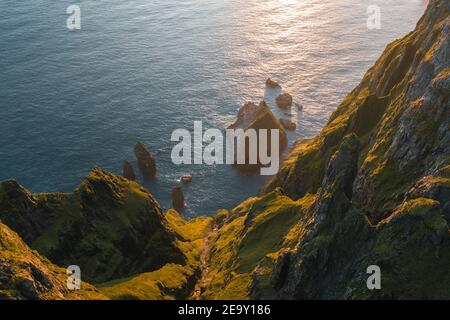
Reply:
x=284, y=100
x=128, y=171
x=146, y=163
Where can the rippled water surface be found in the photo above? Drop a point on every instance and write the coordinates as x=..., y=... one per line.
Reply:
x=139, y=69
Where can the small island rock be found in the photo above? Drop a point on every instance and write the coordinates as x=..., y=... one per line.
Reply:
x=178, y=198
x=145, y=161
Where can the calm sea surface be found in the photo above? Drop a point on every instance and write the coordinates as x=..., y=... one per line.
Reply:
x=137, y=70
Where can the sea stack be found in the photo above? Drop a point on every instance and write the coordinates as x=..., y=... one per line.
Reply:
x=145, y=161
x=128, y=171
x=257, y=117
x=284, y=100
x=178, y=198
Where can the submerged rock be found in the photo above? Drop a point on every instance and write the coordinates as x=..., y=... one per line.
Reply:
x=145, y=160
x=272, y=84
x=284, y=100
x=178, y=198
x=128, y=171
x=288, y=124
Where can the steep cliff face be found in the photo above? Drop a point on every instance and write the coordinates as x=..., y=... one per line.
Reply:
x=372, y=188
x=381, y=179
x=399, y=113
x=111, y=227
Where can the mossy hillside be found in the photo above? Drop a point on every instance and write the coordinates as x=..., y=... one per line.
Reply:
x=111, y=227
x=260, y=228
x=413, y=250
x=25, y=274
x=172, y=281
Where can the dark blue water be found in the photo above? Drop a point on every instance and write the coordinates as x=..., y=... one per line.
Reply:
x=137, y=70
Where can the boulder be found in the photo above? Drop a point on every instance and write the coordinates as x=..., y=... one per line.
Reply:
x=178, y=198
x=128, y=171
x=145, y=161
x=284, y=100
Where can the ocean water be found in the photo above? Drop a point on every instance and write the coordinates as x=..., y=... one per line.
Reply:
x=139, y=69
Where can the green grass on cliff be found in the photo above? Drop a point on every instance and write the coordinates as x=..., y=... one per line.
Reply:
x=168, y=283
x=25, y=274
x=172, y=281
x=260, y=229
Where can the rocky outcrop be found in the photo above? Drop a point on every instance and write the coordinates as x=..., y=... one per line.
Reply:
x=284, y=100
x=110, y=226
x=128, y=171
x=178, y=198
x=272, y=84
x=145, y=161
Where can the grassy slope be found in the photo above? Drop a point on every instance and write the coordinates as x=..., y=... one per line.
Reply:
x=172, y=281
x=111, y=227
x=256, y=230
x=25, y=274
